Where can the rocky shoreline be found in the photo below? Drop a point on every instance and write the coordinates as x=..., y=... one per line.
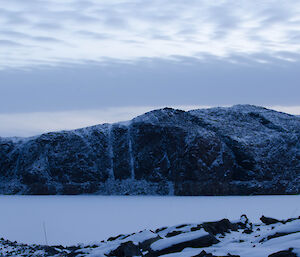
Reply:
x=270, y=237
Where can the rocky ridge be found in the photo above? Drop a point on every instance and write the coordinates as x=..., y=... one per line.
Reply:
x=239, y=150
x=270, y=237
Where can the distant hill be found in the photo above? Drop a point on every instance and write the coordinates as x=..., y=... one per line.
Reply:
x=239, y=150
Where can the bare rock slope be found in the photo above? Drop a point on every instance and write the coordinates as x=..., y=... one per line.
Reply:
x=238, y=150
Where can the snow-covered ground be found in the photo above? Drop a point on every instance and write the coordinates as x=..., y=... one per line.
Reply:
x=85, y=219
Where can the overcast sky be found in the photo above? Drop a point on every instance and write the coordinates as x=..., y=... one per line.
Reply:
x=73, y=63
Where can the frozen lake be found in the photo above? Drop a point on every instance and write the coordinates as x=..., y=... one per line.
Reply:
x=74, y=219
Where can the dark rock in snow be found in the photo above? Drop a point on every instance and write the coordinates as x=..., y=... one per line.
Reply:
x=203, y=241
x=50, y=250
x=205, y=254
x=181, y=226
x=269, y=221
x=145, y=245
x=196, y=244
x=219, y=227
x=160, y=229
x=113, y=238
x=126, y=249
x=287, y=253
x=240, y=150
x=278, y=235
x=173, y=233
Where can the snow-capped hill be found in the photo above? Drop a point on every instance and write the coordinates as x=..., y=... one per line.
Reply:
x=166, y=115
x=243, y=116
x=242, y=149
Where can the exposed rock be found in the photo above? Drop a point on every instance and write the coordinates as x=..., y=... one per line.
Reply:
x=240, y=150
x=160, y=229
x=287, y=253
x=113, y=238
x=203, y=241
x=145, y=245
x=174, y=233
x=205, y=254
x=126, y=249
x=197, y=244
x=269, y=221
x=277, y=235
x=219, y=227
x=181, y=226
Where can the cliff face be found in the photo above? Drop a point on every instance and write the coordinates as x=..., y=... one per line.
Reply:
x=219, y=151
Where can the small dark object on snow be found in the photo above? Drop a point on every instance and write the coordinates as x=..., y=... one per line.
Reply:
x=181, y=226
x=205, y=254
x=268, y=220
x=114, y=238
x=160, y=229
x=248, y=231
x=174, y=233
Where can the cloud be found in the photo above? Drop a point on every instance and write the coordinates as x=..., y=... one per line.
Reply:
x=96, y=30
x=178, y=80
x=94, y=35
x=9, y=43
x=62, y=56
x=19, y=36
x=34, y=123
x=47, y=26
x=46, y=39
x=11, y=17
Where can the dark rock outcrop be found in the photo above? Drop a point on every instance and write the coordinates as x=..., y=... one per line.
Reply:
x=126, y=249
x=240, y=150
x=286, y=253
x=268, y=220
x=203, y=241
x=220, y=227
x=205, y=254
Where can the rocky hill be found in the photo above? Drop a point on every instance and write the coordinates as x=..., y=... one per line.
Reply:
x=238, y=150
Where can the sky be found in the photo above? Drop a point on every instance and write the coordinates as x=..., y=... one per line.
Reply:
x=74, y=63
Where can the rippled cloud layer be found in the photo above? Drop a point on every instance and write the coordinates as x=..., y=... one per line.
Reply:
x=55, y=32
x=72, y=63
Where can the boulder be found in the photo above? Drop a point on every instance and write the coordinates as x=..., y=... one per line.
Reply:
x=268, y=220
x=125, y=250
x=203, y=241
